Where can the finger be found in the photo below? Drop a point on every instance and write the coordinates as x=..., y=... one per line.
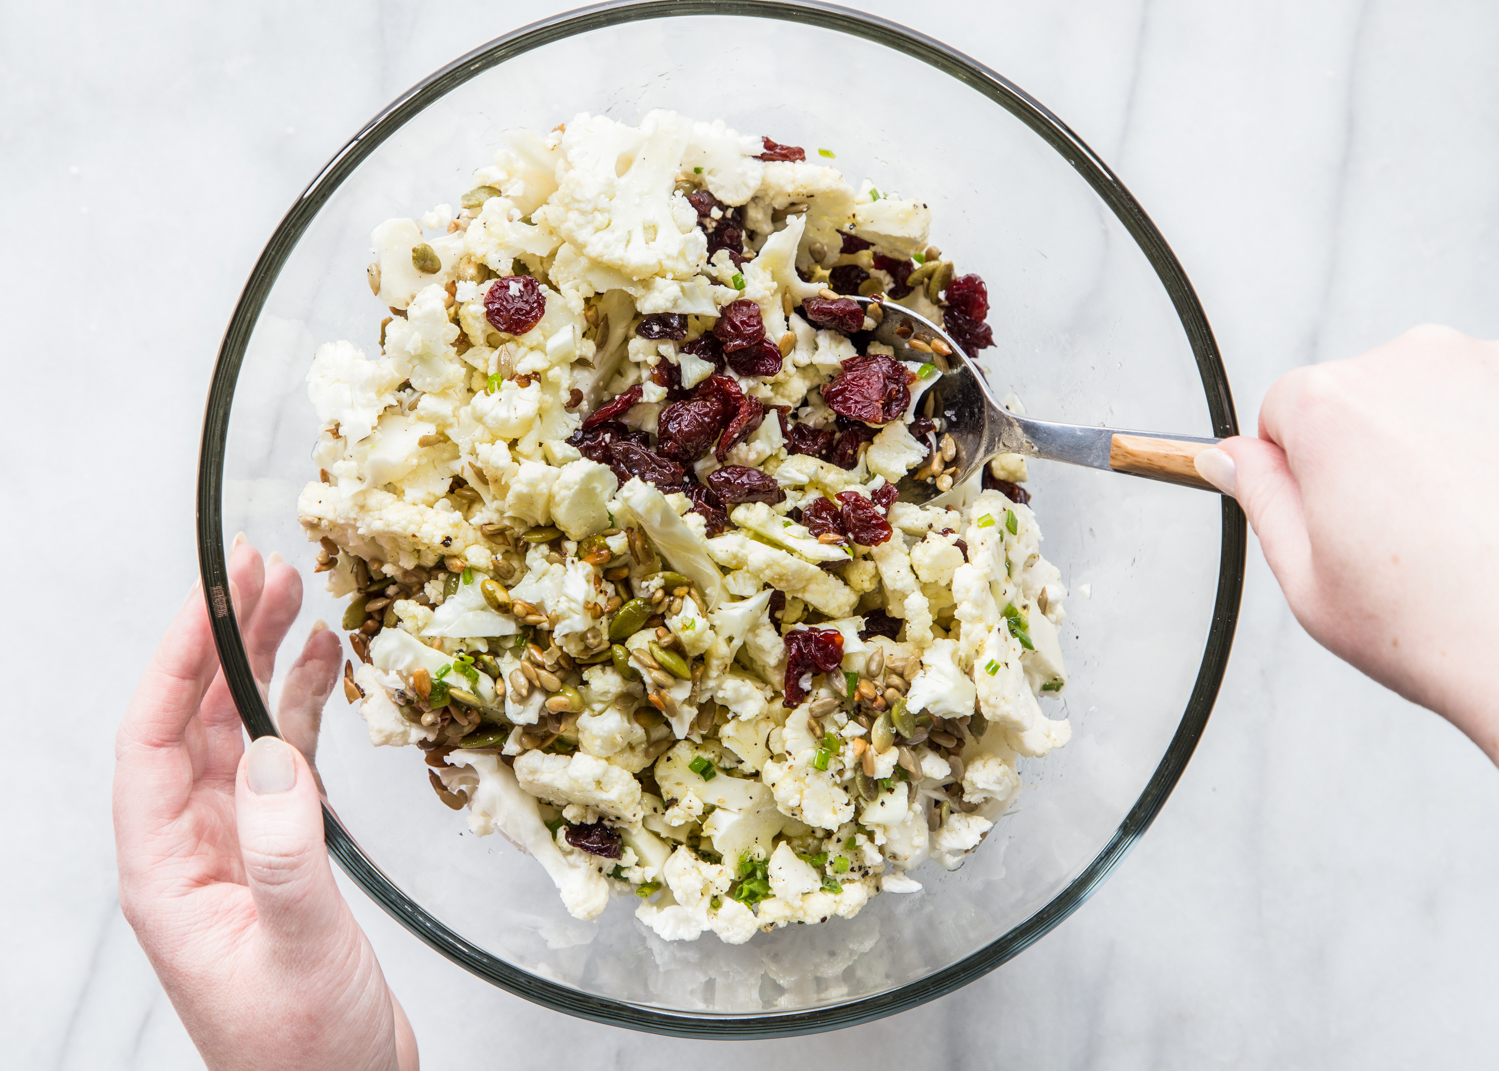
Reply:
x=1267, y=490
x=309, y=682
x=297, y=904
x=153, y=767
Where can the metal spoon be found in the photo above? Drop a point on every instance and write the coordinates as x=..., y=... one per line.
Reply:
x=963, y=407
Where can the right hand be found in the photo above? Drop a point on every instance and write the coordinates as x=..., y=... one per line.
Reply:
x=1374, y=490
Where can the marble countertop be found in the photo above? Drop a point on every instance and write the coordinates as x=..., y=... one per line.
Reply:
x=1318, y=891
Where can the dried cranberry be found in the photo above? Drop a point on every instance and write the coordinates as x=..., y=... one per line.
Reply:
x=734, y=484
x=922, y=426
x=879, y=623
x=783, y=417
x=514, y=304
x=724, y=232
x=810, y=650
x=672, y=325
x=669, y=375
x=874, y=389
x=594, y=443
x=823, y=517
x=847, y=278
x=631, y=459
x=853, y=244
x=773, y=151
x=969, y=295
x=740, y=325
x=710, y=507
x=967, y=333
x=884, y=496
x=703, y=202
x=962, y=547
x=839, y=314
x=846, y=448
x=899, y=271
x=596, y=839
x=805, y=439
x=612, y=409
x=685, y=430
x=862, y=519
x=763, y=358
x=743, y=424
x=1013, y=491
x=706, y=347
x=777, y=605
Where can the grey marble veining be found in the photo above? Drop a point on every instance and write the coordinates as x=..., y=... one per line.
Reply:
x=1317, y=893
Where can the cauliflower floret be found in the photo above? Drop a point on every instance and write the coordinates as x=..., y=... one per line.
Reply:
x=530, y=494
x=695, y=886
x=692, y=628
x=1010, y=467
x=498, y=237
x=581, y=779
x=934, y=560
x=959, y=835
x=898, y=227
x=387, y=725
x=903, y=595
x=791, y=876
x=350, y=390
x=1007, y=702
x=399, y=277
x=511, y=411
x=377, y=524
x=989, y=777
x=759, y=518
x=894, y=452
x=785, y=572
x=609, y=732
x=942, y=686
x=580, y=497
x=806, y=793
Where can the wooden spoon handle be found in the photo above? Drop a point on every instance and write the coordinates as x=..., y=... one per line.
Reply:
x=1159, y=458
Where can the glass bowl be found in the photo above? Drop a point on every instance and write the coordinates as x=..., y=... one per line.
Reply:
x=1095, y=322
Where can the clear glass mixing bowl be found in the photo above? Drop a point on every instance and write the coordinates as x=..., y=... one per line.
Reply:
x=1094, y=321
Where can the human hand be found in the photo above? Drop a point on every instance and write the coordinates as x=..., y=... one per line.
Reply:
x=1374, y=490
x=223, y=871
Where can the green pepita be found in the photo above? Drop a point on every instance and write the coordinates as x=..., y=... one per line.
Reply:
x=468, y=699
x=978, y=724
x=670, y=581
x=450, y=586
x=939, y=280
x=485, y=738
x=574, y=698
x=670, y=661
x=390, y=620
x=354, y=615
x=900, y=718
x=622, y=665
x=595, y=550
x=882, y=734
x=476, y=197
x=471, y=271
x=425, y=259
x=628, y=619
x=544, y=534
x=494, y=594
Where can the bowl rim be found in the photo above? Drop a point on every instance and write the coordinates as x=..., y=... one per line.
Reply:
x=343, y=847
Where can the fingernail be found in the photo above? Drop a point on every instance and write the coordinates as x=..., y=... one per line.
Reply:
x=319, y=626
x=274, y=558
x=234, y=597
x=241, y=538
x=270, y=768
x=1217, y=468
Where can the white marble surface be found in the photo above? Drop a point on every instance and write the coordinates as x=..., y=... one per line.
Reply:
x=1317, y=893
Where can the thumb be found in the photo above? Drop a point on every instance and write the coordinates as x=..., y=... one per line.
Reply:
x=1255, y=472
x=281, y=840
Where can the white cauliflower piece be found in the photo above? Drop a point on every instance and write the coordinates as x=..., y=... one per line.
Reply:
x=942, y=686
x=1007, y=702
x=806, y=793
x=935, y=560
x=759, y=518
x=581, y=779
x=387, y=726
x=377, y=524
x=695, y=885
x=959, y=835
x=791, y=876
x=989, y=777
x=784, y=571
x=902, y=592
x=897, y=226
x=466, y=615
x=497, y=236
x=350, y=390
x=894, y=452
x=679, y=544
x=580, y=498
x=608, y=732
x=692, y=628
x=530, y=495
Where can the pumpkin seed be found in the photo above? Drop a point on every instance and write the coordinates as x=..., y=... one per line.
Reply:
x=544, y=534
x=354, y=615
x=476, y=197
x=977, y=724
x=622, y=666
x=425, y=259
x=372, y=273
x=939, y=280
x=670, y=661
x=485, y=738
x=495, y=595
x=670, y=581
x=882, y=735
x=628, y=619
x=900, y=718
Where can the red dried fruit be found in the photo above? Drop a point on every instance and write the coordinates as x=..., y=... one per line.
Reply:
x=761, y=359
x=879, y=623
x=783, y=416
x=898, y=270
x=853, y=243
x=685, y=430
x=734, y=484
x=1013, y=491
x=884, y=496
x=669, y=375
x=611, y=409
x=970, y=335
x=863, y=520
x=631, y=459
x=805, y=439
x=847, y=278
x=514, y=304
x=594, y=443
x=810, y=650
x=848, y=442
x=739, y=325
x=969, y=295
x=838, y=314
x=710, y=507
x=596, y=839
x=672, y=325
x=777, y=605
x=774, y=151
x=706, y=347
x=874, y=389
x=743, y=424
x=823, y=517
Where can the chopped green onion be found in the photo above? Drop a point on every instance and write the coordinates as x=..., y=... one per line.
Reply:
x=828, y=153
x=986, y=521
x=851, y=843
x=715, y=903
x=831, y=743
x=697, y=171
x=851, y=681
x=820, y=859
x=691, y=625
x=821, y=758
x=1023, y=636
x=992, y=668
x=841, y=864
x=1011, y=524
x=1052, y=686
x=925, y=370
x=469, y=673
x=443, y=672
x=467, y=576
x=874, y=194
x=618, y=873
x=556, y=824
x=438, y=697
x=919, y=258
x=494, y=383
x=831, y=885
x=738, y=281
x=703, y=768
x=647, y=888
